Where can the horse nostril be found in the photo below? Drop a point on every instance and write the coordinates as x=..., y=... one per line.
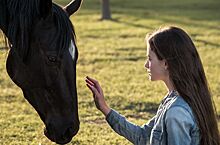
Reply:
x=49, y=133
x=70, y=132
x=67, y=133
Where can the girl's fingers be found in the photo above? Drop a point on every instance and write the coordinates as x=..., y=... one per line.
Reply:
x=92, y=88
x=88, y=85
x=91, y=79
x=89, y=82
x=95, y=83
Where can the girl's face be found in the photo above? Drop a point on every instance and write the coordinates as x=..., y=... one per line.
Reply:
x=157, y=69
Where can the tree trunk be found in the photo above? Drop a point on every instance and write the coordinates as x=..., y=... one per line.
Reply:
x=106, y=13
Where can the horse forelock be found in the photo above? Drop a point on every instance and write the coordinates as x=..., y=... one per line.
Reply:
x=22, y=19
x=25, y=7
x=22, y=14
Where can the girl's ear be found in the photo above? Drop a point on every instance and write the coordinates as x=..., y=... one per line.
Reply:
x=165, y=64
x=45, y=8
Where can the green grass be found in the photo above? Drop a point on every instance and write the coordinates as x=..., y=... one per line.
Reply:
x=114, y=53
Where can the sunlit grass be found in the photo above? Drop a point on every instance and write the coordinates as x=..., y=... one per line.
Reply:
x=114, y=53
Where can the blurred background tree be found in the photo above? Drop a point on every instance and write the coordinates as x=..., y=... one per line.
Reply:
x=106, y=12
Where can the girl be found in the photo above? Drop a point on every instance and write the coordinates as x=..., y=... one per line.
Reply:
x=186, y=115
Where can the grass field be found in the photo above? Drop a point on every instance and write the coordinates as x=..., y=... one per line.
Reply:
x=114, y=53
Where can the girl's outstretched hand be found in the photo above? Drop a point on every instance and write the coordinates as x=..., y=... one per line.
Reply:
x=98, y=95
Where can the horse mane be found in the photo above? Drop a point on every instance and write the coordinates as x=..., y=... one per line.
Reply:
x=24, y=14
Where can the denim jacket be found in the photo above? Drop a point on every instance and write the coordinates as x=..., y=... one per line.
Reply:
x=174, y=124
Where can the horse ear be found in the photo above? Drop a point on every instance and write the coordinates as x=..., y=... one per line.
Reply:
x=3, y=16
x=45, y=7
x=73, y=6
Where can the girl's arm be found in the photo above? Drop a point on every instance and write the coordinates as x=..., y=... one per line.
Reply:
x=138, y=135
x=180, y=126
x=134, y=133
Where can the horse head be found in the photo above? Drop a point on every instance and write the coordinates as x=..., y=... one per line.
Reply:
x=42, y=61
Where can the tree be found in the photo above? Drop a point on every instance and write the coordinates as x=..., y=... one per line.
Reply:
x=106, y=12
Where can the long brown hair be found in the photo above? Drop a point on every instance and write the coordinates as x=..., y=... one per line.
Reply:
x=188, y=77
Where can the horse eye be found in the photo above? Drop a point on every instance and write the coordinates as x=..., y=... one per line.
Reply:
x=52, y=58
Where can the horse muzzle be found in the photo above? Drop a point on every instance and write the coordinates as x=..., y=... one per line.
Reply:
x=61, y=135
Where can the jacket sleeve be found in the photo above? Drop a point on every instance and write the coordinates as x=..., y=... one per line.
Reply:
x=138, y=135
x=179, y=122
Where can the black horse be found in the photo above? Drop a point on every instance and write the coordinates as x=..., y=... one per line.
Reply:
x=42, y=61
